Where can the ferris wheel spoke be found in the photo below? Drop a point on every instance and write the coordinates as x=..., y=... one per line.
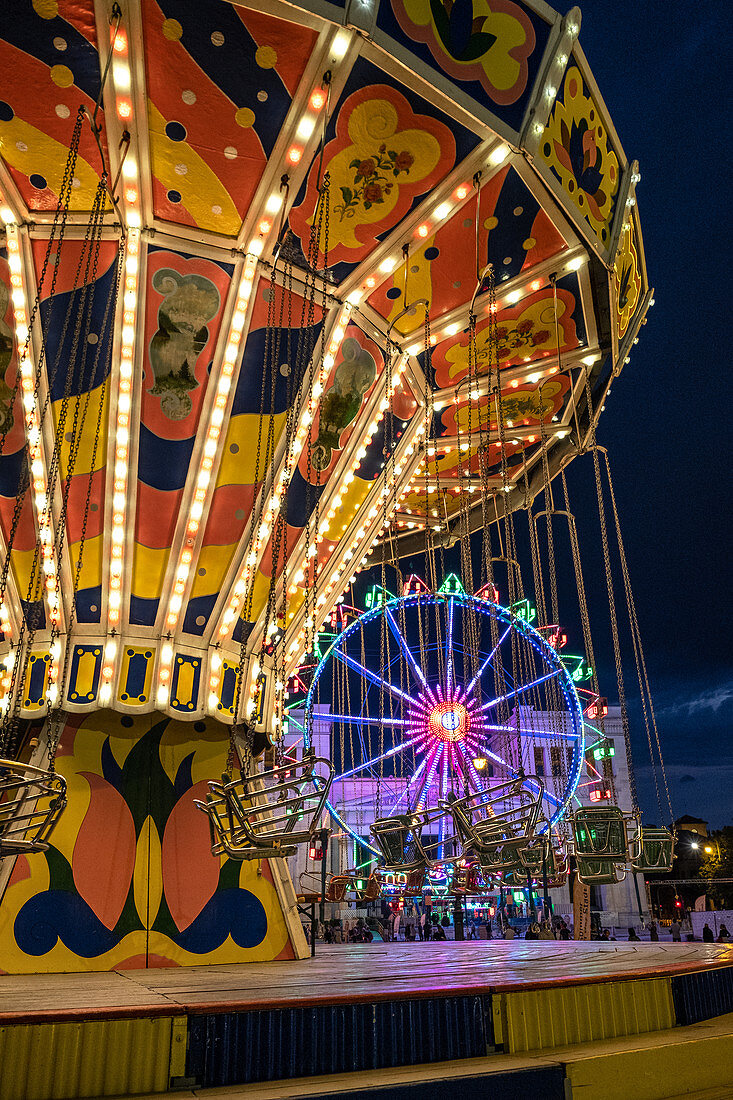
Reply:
x=520, y=690
x=401, y=641
x=406, y=791
x=487, y=662
x=365, y=720
x=367, y=672
x=549, y=735
x=428, y=777
x=366, y=764
x=449, y=651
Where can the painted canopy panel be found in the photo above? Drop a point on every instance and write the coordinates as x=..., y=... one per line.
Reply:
x=491, y=51
x=220, y=81
x=386, y=149
x=514, y=234
x=577, y=148
x=50, y=48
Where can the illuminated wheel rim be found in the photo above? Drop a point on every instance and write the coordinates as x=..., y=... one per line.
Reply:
x=426, y=718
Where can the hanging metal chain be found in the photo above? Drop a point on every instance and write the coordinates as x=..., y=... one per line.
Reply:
x=611, y=596
x=650, y=722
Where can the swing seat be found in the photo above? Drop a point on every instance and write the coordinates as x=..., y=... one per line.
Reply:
x=467, y=882
x=371, y=889
x=309, y=887
x=599, y=872
x=280, y=806
x=600, y=833
x=226, y=838
x=497, y=825
x=651, y=850
x=398, y=839
x=31, y=803
x=557, y=869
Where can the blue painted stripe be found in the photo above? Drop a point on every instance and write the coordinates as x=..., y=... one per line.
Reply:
x=702, y=996
x=235, y=1048
x=143, y=612
x=163, y=463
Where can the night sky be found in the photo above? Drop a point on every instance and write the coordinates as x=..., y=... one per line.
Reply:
x=658, y=66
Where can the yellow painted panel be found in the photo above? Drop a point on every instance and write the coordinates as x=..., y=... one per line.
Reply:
x=659, y=1068
x=91, y=566
x=184, y=686
x=30, y=150
x=215, y=560
x=88, y=406
x=85, y=671
x=200, y=187
x=547, y=1018
x=85, y=1059
x=148, y=570
x=238, y=467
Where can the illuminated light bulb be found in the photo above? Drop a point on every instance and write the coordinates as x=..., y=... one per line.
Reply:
x=124, y=108
x=213, y=701
x=451, y=330
x=442, y=211
x=575, y=263
x=340, y=44
x=131, y=195
x=256, y=246
x=272, y=205
x=498, y=155
x=423, y=230
x=294, y=154
x=264, y=227
x=306, y=126
x=513, y=297
x=387, y=265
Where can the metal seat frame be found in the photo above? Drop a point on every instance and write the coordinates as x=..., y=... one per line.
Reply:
x=402, y=845
x=255, y=817
x=651, y=850
x=497, y=840
x=31, y=802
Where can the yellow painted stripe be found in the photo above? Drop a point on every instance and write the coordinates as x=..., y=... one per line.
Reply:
x=239, y=466
x=148, y=571
x=215, y=560
x=85, y=1058
x=542, y=1019
x=91, y=565
x=83, y=463
x=200, y=188
x=24, y=147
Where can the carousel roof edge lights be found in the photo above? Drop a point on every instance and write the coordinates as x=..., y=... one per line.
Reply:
x=161, y=402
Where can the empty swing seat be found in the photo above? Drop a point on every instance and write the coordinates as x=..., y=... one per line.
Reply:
x=600, y=845
x=398, y=839
x=31, y=803
x=267, y=814
x=651, y=850
x=593, y=871
x=309, y=888
x=498, y=825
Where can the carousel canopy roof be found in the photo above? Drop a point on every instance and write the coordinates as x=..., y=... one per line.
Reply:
x=452, y=136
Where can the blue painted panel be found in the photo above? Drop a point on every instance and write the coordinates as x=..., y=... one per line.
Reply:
x=702, y=996
x=234, y=1048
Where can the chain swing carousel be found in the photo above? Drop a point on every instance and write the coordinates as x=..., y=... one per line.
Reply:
x=375, y=314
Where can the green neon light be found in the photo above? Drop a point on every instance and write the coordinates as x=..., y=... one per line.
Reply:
x=524, y=610
x=377, y=596
x=452, y=586
x=577, y=666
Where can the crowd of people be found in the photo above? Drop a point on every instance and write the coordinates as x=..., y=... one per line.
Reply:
x=421, y=926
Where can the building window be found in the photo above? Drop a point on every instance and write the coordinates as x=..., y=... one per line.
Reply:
x=556, y=760
x=539, y=761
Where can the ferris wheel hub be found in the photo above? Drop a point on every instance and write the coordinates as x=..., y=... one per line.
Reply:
x=449, y=721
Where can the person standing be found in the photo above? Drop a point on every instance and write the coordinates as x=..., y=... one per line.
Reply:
x=707, y=934
x=653, y=933
x=509, y=932
x=633, y=938
x=676, y=931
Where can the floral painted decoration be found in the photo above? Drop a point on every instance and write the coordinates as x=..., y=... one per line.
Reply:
x=626, y=279
x=577, y=148
x=372, y=179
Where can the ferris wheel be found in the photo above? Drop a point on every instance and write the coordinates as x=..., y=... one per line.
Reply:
x=441, y=694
